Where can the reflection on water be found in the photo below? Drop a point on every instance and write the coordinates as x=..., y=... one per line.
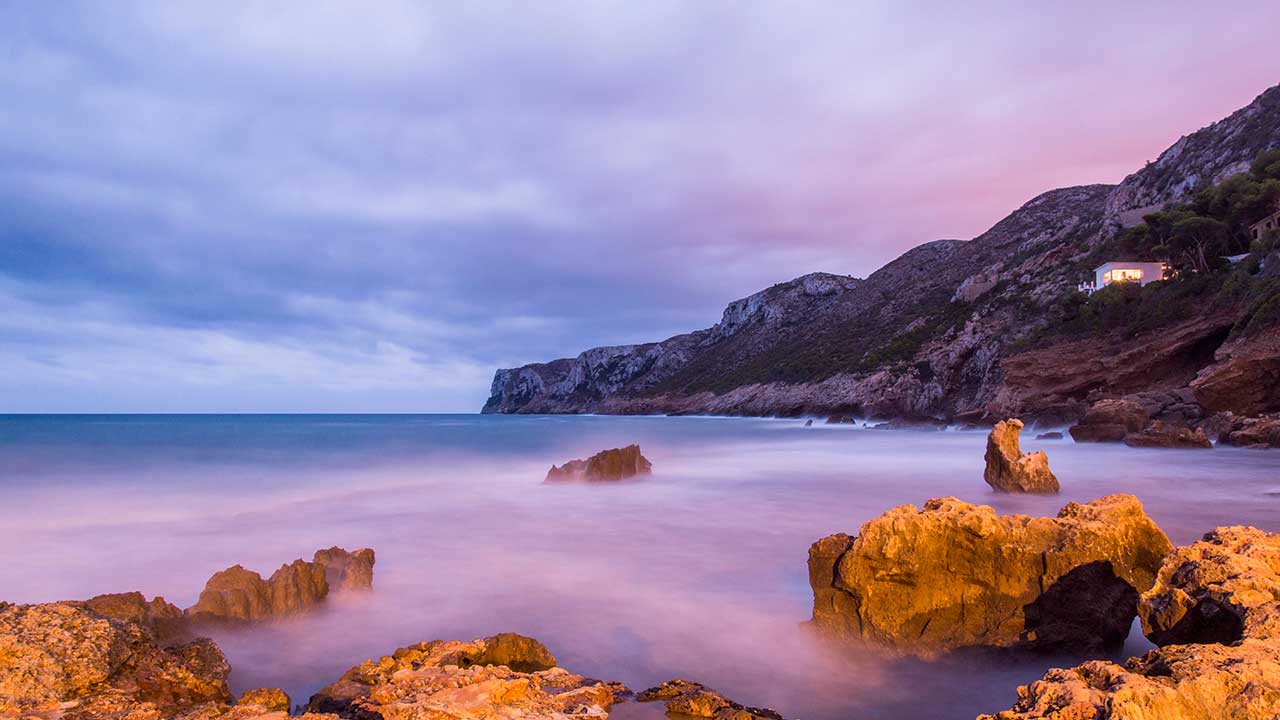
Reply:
x=697, y=571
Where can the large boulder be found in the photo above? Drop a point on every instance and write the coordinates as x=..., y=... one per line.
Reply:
x=505, y=676
x=345, y=570
x=615, y=464
x=684, y=698
x=1262, y=431
x=1110, y=421
x=162, y=619
x=1160, y=434
x=1221, y=589
x=58, y=658
x=240, y=595
x=954, y=575
x=1011, y=470
x=1181, y=682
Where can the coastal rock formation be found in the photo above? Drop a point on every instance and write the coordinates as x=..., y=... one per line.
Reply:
x=607, y=465
x=240, y=595
x=685, y=698
x=954, y=575
x=345, y=571
x=1253, y=432
x=1245, y=377
x=1180, y=682
x=269, y=699
x=1009, y=469
x=163, y=620
x=1110, y=421
x=1160, y=434
x=64, y=659
x=505, y=676
x=1219, y=590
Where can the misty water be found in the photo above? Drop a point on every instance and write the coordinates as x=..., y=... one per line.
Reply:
x=697, y=571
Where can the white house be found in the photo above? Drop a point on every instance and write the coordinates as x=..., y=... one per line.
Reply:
x=1124, y=271
x=1270, y=222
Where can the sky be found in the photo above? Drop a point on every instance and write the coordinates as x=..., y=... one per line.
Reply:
x=370, y=206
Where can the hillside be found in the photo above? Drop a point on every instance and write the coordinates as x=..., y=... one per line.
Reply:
x=956, y=330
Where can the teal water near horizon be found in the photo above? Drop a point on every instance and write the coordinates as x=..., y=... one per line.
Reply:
x=697, y=571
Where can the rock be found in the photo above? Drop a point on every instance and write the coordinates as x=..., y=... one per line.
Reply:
x=269, y=699
x=1219, y=590
x=1245, y=377
x=464, y=681
x=911, y=424
x=684, y=698
x=808, y=423
x=163, y=620
x=64, y=655
x=1160, y=434
x=1054, y=435
x=1181, y=682
x=954, y=575
x=346, y=571
x=841, y=420
x=1110, y=421
x=1011, y=470
x=1252, y=432
x=607, y=465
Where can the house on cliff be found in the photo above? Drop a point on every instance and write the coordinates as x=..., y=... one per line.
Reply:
x=1124, y=271
x=1260, y=228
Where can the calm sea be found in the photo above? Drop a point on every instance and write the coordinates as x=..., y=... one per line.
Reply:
x=697, y=571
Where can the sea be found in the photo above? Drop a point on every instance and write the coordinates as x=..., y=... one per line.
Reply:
x=697, y=571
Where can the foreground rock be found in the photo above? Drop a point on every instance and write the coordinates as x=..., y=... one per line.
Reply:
x=1160, y=434
x=504, y=676
x=1011, y=470
x=1219, y=590
x=1181, y=682
x=240, y=595
x=607, y=465
x=954, y=575
x=163, y=620
x=686, y=698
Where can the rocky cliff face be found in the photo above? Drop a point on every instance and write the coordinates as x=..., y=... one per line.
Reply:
x=943, y=331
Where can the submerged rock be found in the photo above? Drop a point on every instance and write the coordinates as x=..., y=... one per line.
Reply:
x=1181, y=682
x=1160, y=434
x=504, y=676
x=615, y=464
x=1011, y=470
x=686, y=698
x=1052, y=435
x=954, y=575
x=1221, y=589
x=240, y=595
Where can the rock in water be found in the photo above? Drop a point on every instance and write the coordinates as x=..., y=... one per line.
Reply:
x=954, y=575
x=346, y=570
x=1009, y=469
x=1160, y=434
x=615, y=464
x=1181, y=682
x=505, y=676
x=1110, y=421
x=684, y=698
x=1221, y=589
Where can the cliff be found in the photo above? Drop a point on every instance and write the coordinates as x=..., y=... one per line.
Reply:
x=951, y=329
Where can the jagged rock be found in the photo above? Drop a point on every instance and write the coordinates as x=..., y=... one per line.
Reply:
x=240, y=595
x=1160, y=434
x=1245, y=376
x=163, y=620
x=685, y=698
x=1252, y=432
x=1110, y=421
x=1221, y=589
x=344, y=570
x=269, y=699
x=1054, y=435
x=61, y=658
x=1180, y=682
x=954, y=575
x=506, y=676
x=1011, y=470
x=615, y=464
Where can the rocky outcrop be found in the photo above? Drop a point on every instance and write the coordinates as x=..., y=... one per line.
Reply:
x=1245, y=377
x=1219, y=590
x=1181, y=682
x=607, y=465
x=240, y=595
x=505, y=676
x=1011, y=470
x=1110, y=421
x=269, y=699
x=66, y=660
x=1160, y=434
x=163, y=620
x=684, y=698
x=953, y=575
x=1252, y=432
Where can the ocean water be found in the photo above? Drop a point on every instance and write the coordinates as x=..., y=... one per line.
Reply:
x=697, y=571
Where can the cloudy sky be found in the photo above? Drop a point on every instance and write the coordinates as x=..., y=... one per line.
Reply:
x=369, y=206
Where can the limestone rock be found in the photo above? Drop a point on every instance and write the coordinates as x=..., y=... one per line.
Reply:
x=1221, y=589
x=1252, y=432
x=1246, y=377
x=685, y=698
x=1051, y=435
x=346, y=570
x=1110, y=421
x=1180, y=682
x=270, y=699
x=1009, y=469
x=61, y=658
x=506, y=676
x=607, y=465
x=163, y=620
x=954, y=575
x=1160, y=434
